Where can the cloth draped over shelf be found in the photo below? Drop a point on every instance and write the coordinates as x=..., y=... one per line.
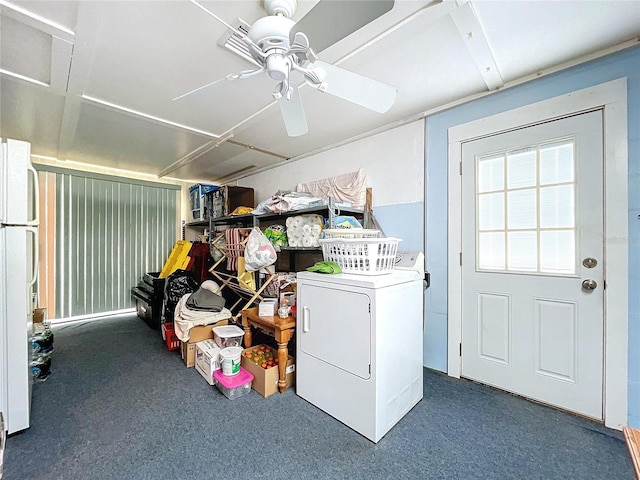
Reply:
x=349, y=187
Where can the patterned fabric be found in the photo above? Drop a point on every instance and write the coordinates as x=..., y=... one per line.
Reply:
x=235, y=246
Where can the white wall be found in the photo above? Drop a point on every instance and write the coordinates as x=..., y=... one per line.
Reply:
x=393, y=161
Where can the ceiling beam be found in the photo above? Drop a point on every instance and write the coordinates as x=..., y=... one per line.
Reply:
x=36, y=21
x=475, y=40
x=87, y=31
x=194, y=155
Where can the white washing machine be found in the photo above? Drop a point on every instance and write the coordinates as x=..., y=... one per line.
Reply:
x=359, y=345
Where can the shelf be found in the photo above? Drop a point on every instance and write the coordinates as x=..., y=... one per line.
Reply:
x=198, y=223
x=245, y=219
x=270, y=216
x=304, y=211
x=287, y=255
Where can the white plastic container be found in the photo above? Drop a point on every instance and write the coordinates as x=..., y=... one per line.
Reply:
x=350, y=233
x=230, y=360
x=228, y=336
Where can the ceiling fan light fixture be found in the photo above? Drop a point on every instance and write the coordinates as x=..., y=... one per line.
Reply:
x=278, y=67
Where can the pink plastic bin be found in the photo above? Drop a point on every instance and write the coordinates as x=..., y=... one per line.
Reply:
x=234, y=386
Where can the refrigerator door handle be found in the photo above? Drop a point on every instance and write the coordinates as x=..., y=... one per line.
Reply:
x=36, y=196
x=36, y=254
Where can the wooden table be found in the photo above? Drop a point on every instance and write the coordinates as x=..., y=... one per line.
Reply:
x=282, y=329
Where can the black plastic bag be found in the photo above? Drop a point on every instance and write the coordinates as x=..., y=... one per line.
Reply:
x=178, y=284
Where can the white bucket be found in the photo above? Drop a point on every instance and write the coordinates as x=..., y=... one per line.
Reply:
x=230, y=360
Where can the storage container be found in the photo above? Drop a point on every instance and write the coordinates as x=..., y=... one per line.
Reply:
x=228, y=336
x=351, y=233
x=169, y=336
x=148, y=295
x=363, y=256
x=224, y=200
x=230, y=360
x=235, y=386
x=197, y=200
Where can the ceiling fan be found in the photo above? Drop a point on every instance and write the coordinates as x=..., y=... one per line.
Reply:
x=281, y=46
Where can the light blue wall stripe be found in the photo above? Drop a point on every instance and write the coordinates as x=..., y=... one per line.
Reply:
x=404, y=221
x=621, y=64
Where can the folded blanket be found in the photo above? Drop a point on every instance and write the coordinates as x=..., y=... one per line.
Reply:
x=205, y=300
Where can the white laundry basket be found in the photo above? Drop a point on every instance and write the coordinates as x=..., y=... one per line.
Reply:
x=363, y=256
x=351, y=233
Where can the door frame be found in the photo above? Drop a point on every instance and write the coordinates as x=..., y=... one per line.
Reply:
x=611, y=97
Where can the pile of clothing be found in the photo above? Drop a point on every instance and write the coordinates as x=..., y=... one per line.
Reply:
x=202, y=307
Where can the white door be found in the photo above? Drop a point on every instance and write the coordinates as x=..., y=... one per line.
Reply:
x=532, y=262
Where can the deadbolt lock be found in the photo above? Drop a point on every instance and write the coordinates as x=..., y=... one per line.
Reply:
x=589, y=262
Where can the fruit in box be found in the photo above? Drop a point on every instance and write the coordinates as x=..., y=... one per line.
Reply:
x=262, y=355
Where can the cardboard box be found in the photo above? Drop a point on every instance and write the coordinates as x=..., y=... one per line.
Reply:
x=268, y=307
x=39, y=315
x=197, y=334
x=265, y=380
x=207, y=359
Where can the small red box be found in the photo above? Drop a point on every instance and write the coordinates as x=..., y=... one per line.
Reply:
x=169, y=335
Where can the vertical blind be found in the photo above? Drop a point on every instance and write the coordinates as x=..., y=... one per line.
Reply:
x=109, y=231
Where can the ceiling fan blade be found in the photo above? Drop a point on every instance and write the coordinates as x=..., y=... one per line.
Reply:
x=355, y=88
x=292, y=111
x=332, y=20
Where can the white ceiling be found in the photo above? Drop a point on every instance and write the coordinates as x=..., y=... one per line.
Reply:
x=93, y=81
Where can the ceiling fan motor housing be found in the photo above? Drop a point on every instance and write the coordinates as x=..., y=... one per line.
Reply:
x=269, y=33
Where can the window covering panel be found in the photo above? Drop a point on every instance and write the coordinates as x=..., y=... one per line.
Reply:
x=109, y=231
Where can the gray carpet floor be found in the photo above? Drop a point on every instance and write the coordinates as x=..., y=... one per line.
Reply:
x=119, y=405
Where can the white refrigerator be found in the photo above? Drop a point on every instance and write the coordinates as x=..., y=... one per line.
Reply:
x=18, y=276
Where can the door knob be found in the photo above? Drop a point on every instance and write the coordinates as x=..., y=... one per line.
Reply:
x=589, y=284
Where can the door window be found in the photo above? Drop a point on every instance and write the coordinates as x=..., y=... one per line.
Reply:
x=525, y=209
